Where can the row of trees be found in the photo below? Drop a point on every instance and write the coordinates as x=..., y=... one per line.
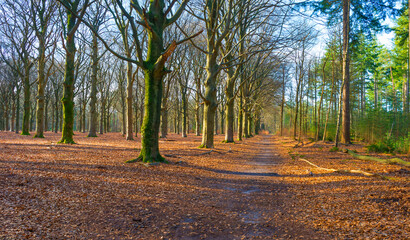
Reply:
x=133, y=59
x=231, y=65
x=377, y=98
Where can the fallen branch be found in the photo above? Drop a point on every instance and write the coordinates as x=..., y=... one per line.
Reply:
x=345, y=171
x=204, y=153
x=199, y=154
x=385, y=161
x=172, y=156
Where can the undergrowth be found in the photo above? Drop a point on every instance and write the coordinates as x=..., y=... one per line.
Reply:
x=390, y=145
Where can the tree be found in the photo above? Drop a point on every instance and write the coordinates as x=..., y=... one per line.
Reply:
x=42, y=16
x=16, y=29
x=155, y=21
x=366, y=16
x=74, y=11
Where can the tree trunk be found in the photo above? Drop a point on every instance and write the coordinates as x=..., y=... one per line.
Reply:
x=93, y=94
x=13, y=115
x=69, y=80
x=164, y=117
x=32, y=116
x=330, y=102
x=7, y=120
x=282, y=105
x=345, y=73
x=40, y=92
x=210, y=103
x=198, y=105
x=46, y=123
x=26, y=113
x=150, y=125
x=229, y=106
x=57, y=117
x=184, y=112
x=130, y=83
x=240, y=116
x=102, y=116
x=222, y=121
x=320, y=103
x=83, y=115
x=216, y=121
x=136, y=110
x=18, y=111
x=124, y=115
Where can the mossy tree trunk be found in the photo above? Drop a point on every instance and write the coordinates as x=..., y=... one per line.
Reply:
x=210, y=103
x=68, y=92
x=26, y=104
x=40, y=92
x=69, y=77
x=41, y=13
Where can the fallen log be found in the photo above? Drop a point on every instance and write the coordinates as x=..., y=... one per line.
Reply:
x=345, y=171
x=385, y=161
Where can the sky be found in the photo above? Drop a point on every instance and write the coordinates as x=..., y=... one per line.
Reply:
x=385, y=38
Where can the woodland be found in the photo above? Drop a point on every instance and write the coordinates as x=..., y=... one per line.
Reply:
x=204, y=119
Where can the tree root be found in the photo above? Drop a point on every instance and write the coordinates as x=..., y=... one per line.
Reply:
x=385, y=161
x=346, y=171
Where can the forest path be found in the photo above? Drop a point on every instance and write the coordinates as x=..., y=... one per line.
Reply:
x=256, y=198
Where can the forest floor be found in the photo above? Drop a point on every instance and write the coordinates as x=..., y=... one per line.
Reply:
x=255, y=189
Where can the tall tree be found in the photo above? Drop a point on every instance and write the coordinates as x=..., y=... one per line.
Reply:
x=17, y=31
x=75, y=9
x=155, y=21
x=42, y=15
x=365, y=16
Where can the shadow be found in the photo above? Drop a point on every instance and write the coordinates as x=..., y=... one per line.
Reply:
x=66, y=147
x=272, y=174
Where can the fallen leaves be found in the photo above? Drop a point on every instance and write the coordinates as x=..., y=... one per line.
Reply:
x=247, y=190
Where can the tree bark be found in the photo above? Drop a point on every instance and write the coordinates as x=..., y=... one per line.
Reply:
x=93, y=94
x=240, y=116
x=69, y=80
x=197, y=107
x=282, y=105
x=345, y=73
x=40, y=91
x=210, y=102
x=229, y=107
x=26, y=104
x=18, y=111
x=130, y=83
x=184, y=111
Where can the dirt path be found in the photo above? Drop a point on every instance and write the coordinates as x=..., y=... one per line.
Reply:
x=256, y=199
